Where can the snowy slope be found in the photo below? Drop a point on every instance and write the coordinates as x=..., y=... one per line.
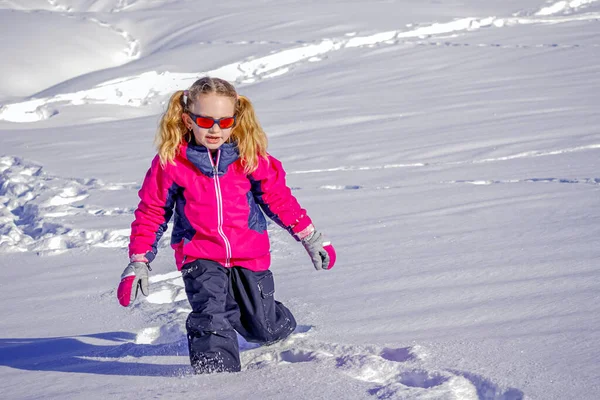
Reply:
x=448, y=149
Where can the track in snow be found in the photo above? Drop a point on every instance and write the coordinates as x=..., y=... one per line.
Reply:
x=393, y=372
x=153, y=87
x=37, y=208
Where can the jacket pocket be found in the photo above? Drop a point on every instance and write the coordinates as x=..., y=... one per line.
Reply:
x=266, y=285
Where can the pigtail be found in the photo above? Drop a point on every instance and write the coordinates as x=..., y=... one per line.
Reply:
x=171, y=131
x=249, y=135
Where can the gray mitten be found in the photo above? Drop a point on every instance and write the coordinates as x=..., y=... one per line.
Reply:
x=321, y=251
x=133, y=278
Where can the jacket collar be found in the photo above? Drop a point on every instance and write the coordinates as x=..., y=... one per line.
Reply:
x=200, y=156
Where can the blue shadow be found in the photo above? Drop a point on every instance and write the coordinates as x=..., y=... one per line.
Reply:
x=69, y=354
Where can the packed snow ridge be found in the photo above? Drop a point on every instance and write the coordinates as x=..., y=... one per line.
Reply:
x=566, y=7
x=153, y=87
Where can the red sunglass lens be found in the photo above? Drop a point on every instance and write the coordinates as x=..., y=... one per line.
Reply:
x=226, y=123
x=204, y=122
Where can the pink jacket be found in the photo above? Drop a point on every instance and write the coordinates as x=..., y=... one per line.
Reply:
x=217, y=208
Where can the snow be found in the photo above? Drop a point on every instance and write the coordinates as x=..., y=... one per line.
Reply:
x=449, y=150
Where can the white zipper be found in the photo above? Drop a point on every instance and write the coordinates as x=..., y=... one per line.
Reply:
x=220, y=205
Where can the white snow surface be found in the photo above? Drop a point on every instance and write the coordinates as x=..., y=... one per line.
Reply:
x=450, y=151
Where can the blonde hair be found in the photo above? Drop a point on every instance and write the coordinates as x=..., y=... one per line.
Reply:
x=247, y=133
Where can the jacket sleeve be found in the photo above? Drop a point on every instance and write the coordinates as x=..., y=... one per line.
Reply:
x=275, y=197
x=157, y=198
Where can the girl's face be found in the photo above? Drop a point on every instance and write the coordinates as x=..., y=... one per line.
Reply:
x=213, y=106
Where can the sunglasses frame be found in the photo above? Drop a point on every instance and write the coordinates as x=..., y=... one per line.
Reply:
x=215, y=121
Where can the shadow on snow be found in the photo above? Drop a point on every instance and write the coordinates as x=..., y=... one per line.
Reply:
x=73, y=354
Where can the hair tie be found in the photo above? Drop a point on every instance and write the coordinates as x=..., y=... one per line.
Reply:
x=186, y=93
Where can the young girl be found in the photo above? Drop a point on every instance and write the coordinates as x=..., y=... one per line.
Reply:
x=213, y=168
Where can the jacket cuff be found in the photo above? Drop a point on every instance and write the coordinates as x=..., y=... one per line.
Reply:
x=138, y=258
x=302, y=228
x=306, y=232
x=135, y=256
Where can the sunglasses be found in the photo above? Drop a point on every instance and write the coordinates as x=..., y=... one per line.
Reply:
x=208, y=122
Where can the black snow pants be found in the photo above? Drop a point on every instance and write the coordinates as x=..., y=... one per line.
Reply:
x=226, y=300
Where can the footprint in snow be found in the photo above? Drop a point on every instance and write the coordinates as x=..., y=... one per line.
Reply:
x=37, y=209
x=396, y=373
x=393, y=372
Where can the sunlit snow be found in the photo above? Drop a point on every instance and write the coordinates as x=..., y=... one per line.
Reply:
x=449, y=150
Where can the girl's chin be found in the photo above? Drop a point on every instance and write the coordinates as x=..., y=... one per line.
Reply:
x=212, y=144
